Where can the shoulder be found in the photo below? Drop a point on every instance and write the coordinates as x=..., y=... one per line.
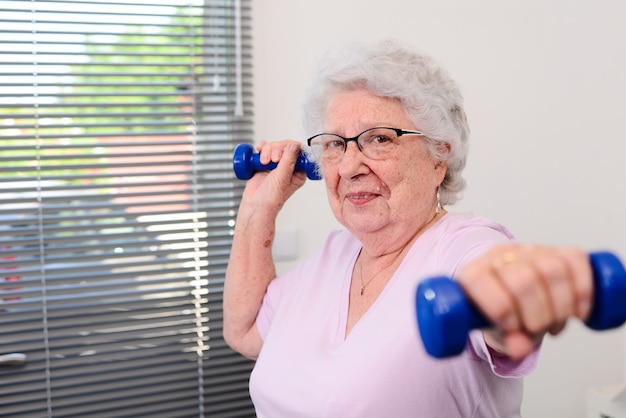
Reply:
x=459, y=224
x=459, y=238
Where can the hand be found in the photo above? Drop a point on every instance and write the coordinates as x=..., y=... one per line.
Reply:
x=272, y=188
x=527, y=291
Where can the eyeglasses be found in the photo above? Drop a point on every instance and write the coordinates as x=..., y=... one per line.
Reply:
x=375, y=143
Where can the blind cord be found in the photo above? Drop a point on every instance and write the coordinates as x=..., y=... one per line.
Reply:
x=197, y=284
x=41, y=243
x=238, y=65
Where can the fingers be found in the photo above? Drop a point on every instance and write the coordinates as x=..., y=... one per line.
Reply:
x=272, y=152
x=529, y=290
x=272, y=188
x=582, y=280
x=490, y=296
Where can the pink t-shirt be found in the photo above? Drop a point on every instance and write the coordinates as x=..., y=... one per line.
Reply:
x=308, y=368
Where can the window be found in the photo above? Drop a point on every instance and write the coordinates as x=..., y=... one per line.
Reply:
x=118, y=122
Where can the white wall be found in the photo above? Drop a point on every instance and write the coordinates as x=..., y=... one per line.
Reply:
x=545, y=89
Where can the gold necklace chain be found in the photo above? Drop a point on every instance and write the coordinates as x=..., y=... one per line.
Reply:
x=363, y=286
x=361, y=277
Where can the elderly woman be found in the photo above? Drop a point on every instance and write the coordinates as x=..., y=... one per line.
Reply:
x=336, y=337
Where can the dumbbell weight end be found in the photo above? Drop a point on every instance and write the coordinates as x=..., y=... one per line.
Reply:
x=609, y=297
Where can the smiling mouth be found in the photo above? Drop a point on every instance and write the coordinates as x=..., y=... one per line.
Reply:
x=360, y=198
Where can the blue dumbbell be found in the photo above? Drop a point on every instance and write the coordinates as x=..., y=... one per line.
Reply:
x=445, y=316
x=246, y=162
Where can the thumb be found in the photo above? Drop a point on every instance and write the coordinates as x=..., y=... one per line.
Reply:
x=287, y=162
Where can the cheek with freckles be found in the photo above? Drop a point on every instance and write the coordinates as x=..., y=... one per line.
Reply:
x=412, y=184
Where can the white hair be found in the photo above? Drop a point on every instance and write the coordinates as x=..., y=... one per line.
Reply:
x=432, y=100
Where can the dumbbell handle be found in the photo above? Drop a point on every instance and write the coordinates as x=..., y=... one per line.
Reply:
x=445, y=316
x=246, y=162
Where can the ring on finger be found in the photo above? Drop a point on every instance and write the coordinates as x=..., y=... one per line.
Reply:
x=503, y=259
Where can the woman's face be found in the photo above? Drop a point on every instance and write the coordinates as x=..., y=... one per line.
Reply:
x=395, y=195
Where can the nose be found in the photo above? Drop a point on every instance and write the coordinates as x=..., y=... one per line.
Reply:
x=352, y=161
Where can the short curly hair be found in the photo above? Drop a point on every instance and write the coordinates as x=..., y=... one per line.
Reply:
x=432, y=100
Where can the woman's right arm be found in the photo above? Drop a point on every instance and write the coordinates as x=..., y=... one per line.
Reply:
x=251, y=266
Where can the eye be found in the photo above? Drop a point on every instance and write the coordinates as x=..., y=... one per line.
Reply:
x=332, y=143
x=381, y=139
x=377, y=138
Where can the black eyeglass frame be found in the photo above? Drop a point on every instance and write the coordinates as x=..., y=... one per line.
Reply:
x=399, y=132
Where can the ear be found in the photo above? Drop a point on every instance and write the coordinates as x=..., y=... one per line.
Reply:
x=441, y=166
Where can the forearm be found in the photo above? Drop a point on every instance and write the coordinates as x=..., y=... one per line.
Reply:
x=250, y=270
x=251, y=266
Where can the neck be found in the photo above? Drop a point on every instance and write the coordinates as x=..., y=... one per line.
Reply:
x=372, y=266
x=377, y=246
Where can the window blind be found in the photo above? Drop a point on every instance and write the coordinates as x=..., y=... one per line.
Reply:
x=118, y=203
